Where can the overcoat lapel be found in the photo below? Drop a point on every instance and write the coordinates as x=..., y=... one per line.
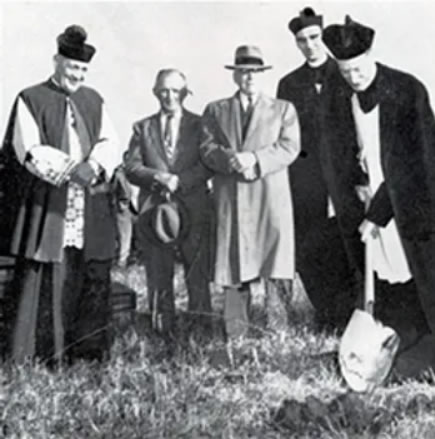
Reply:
x=232, y=123
x=258, y=112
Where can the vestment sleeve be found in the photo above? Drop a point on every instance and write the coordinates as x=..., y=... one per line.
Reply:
x=380, y=211
x=213, y=152
x=107, y=151
x=285, y=150
x=26, y=132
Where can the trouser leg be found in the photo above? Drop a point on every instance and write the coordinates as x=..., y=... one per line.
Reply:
x=195, y=254
x=159, y=264
x=278, y=303
x=125, y=230
x=236, y=310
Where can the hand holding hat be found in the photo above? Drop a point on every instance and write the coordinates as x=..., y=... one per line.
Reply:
x=83, y=174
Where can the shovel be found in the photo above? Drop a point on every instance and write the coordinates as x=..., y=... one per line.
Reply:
x=367, y=348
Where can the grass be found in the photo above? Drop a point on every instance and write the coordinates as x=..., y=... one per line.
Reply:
x=205, y=389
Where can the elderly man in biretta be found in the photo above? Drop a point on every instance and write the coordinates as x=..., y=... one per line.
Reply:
x=64, y=148
x=379, y=164
x=249, y=140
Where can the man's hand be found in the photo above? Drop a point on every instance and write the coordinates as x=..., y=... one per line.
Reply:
x=250, y=174
x=367, y=230
x=165, y=180
x=83, y=174
x=243, y=161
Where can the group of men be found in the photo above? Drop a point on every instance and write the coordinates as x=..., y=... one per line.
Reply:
x=299, y=183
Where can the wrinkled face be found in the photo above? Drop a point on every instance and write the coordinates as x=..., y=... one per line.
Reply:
x=70, y=73
x=170, y=90
x=309, y=42
x=247, y=80
x=358, y=72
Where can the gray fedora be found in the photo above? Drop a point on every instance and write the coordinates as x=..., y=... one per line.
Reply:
x=248, y=57
x=163, y=220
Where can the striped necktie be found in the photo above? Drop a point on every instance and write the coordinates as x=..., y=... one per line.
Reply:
x=168, y=136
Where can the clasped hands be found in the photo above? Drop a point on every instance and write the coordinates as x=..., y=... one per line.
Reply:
x=166, y=181
x=83, y=174
x=244, y=163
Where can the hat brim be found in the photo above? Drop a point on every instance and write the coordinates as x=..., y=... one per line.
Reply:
x=254, y=67
x=144, y=223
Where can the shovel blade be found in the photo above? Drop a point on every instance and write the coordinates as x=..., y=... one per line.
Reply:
x=367, y=351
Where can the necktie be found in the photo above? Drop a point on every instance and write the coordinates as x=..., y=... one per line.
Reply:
x=168, y=136
x=246, y=116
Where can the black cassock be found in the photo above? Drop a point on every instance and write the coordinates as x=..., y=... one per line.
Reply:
x=321, y=259
x=407, y=142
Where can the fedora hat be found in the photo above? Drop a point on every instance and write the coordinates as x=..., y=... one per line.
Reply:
x=248, y=57
x=163, y=220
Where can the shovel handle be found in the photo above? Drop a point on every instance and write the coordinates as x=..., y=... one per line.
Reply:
x=369, y=281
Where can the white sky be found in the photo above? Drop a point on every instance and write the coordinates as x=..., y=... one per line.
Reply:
x=136, y=39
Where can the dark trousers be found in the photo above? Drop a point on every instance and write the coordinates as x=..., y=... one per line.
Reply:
x=328, y=277
x=195, y=253
x=422, y=265
x=60, y=308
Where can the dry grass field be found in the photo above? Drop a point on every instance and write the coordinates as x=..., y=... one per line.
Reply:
x=268, y=387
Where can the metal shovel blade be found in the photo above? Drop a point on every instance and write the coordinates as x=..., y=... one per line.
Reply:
x=366, y=352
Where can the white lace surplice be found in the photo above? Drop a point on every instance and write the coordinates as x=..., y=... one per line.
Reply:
x=389, y=260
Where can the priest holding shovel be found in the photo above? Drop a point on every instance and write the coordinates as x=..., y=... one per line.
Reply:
x=379, y=163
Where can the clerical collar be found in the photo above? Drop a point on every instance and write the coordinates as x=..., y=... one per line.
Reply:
x=246, y=100
x=369, y=98
x=317, y=74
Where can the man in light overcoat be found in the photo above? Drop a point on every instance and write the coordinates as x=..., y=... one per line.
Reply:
x=248, y=142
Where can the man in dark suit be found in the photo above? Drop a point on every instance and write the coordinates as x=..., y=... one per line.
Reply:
x=379, y=163
x=321, y=260
x=163, y=158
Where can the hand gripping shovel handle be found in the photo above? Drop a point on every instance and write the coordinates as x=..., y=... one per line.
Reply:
x=369, y=281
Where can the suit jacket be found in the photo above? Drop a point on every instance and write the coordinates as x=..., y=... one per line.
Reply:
x=309, y=191
x=147, y=156
x=407, y=131
x=254, y=218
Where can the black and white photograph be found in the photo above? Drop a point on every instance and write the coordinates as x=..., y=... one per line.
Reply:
x=217, y=219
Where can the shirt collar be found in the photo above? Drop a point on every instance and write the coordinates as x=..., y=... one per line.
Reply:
x=244, y=99
x=176, y=115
